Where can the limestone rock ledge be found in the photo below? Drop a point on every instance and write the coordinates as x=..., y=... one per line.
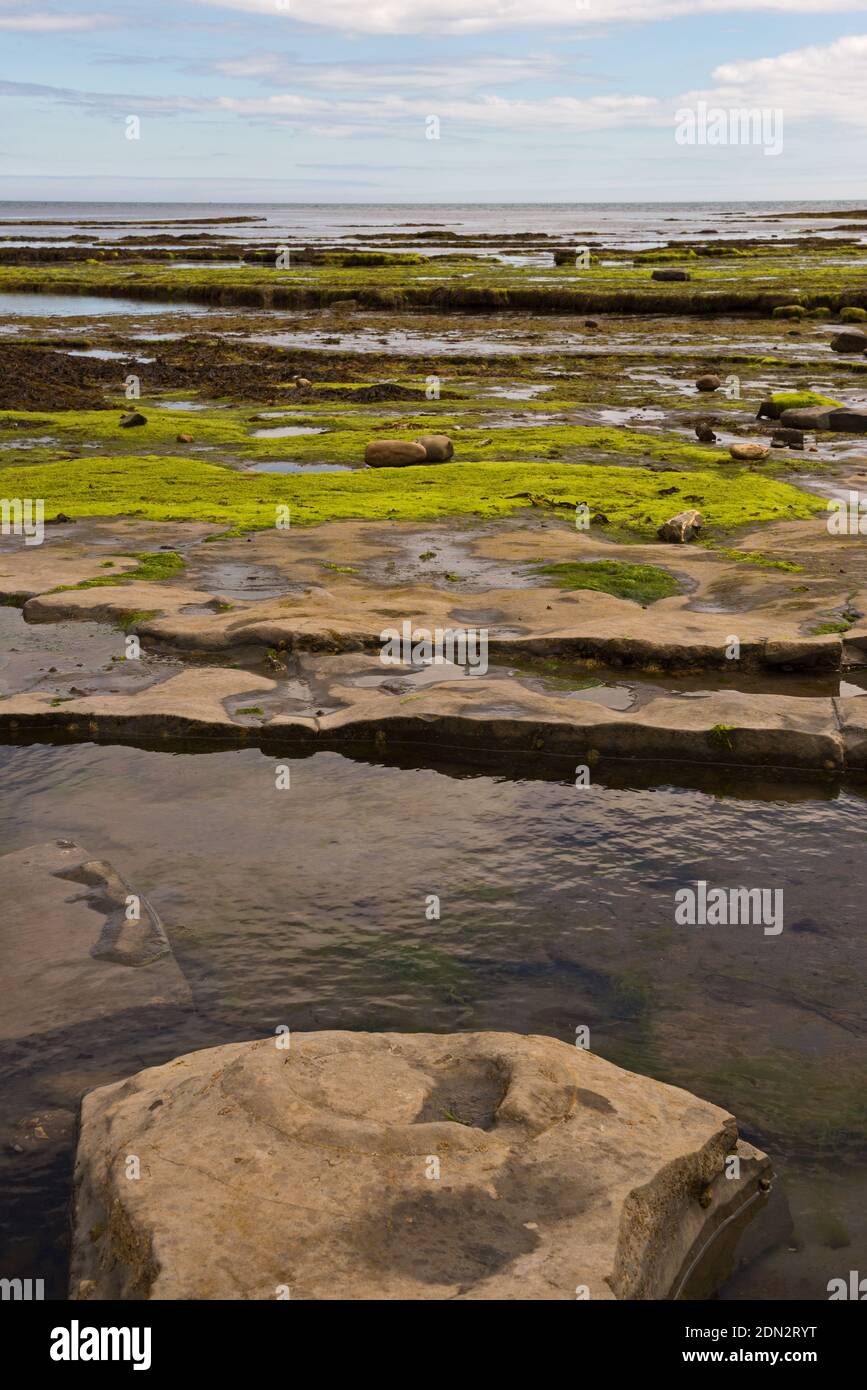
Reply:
x=310, y=1173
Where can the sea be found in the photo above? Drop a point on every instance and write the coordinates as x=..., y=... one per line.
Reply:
x=630, y=225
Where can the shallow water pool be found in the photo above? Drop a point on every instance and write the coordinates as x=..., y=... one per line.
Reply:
x=307, y=907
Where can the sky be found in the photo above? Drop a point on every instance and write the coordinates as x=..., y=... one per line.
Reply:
x=418, y=101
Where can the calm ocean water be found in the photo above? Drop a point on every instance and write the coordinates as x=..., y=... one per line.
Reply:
x=628, y=224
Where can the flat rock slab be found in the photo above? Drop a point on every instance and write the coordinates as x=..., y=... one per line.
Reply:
x=729, y=728
x=28, y=571
x=554, y=622
x=309, y=604
x=70, y=953
x=400, y=1166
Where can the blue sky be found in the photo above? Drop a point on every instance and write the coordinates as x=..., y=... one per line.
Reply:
x=329, y=100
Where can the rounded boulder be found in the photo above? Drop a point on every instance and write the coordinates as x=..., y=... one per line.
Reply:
x=438, y=448
x=393, y=453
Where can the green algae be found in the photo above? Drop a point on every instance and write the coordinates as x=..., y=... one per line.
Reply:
x=163, y=488
x=799, y=400
x=472, y=284
x=132, y=618
x=153, y=567
x=229, y=433
x=761, y=561
x=642, y=584
x=799, y=1102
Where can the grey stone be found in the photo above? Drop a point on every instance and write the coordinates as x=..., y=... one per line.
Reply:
x=848, y=420
x=850, y=340
x=842, y=419
x=810, y=418
x=787, y=439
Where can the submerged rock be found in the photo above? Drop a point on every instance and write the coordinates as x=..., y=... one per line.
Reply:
x=78, y=943
x=402, y=1166
x=749, y=451
x=681, y=528
x=393, y=453
x=708, y=382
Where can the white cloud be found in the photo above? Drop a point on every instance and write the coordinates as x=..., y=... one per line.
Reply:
x=824, y=85
x=813, y=83
x=483, y=70
x=555, y=113
x=481, y=16
x=56, y=23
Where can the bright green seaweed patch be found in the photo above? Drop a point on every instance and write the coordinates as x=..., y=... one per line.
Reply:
x=642, y=583
x=163, y=488
x=152, y=567
x=824, y=629
x=799, y=400
x=343, y=437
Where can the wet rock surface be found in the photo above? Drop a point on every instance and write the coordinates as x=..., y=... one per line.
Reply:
x=218, y=643
x=382, y=1166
